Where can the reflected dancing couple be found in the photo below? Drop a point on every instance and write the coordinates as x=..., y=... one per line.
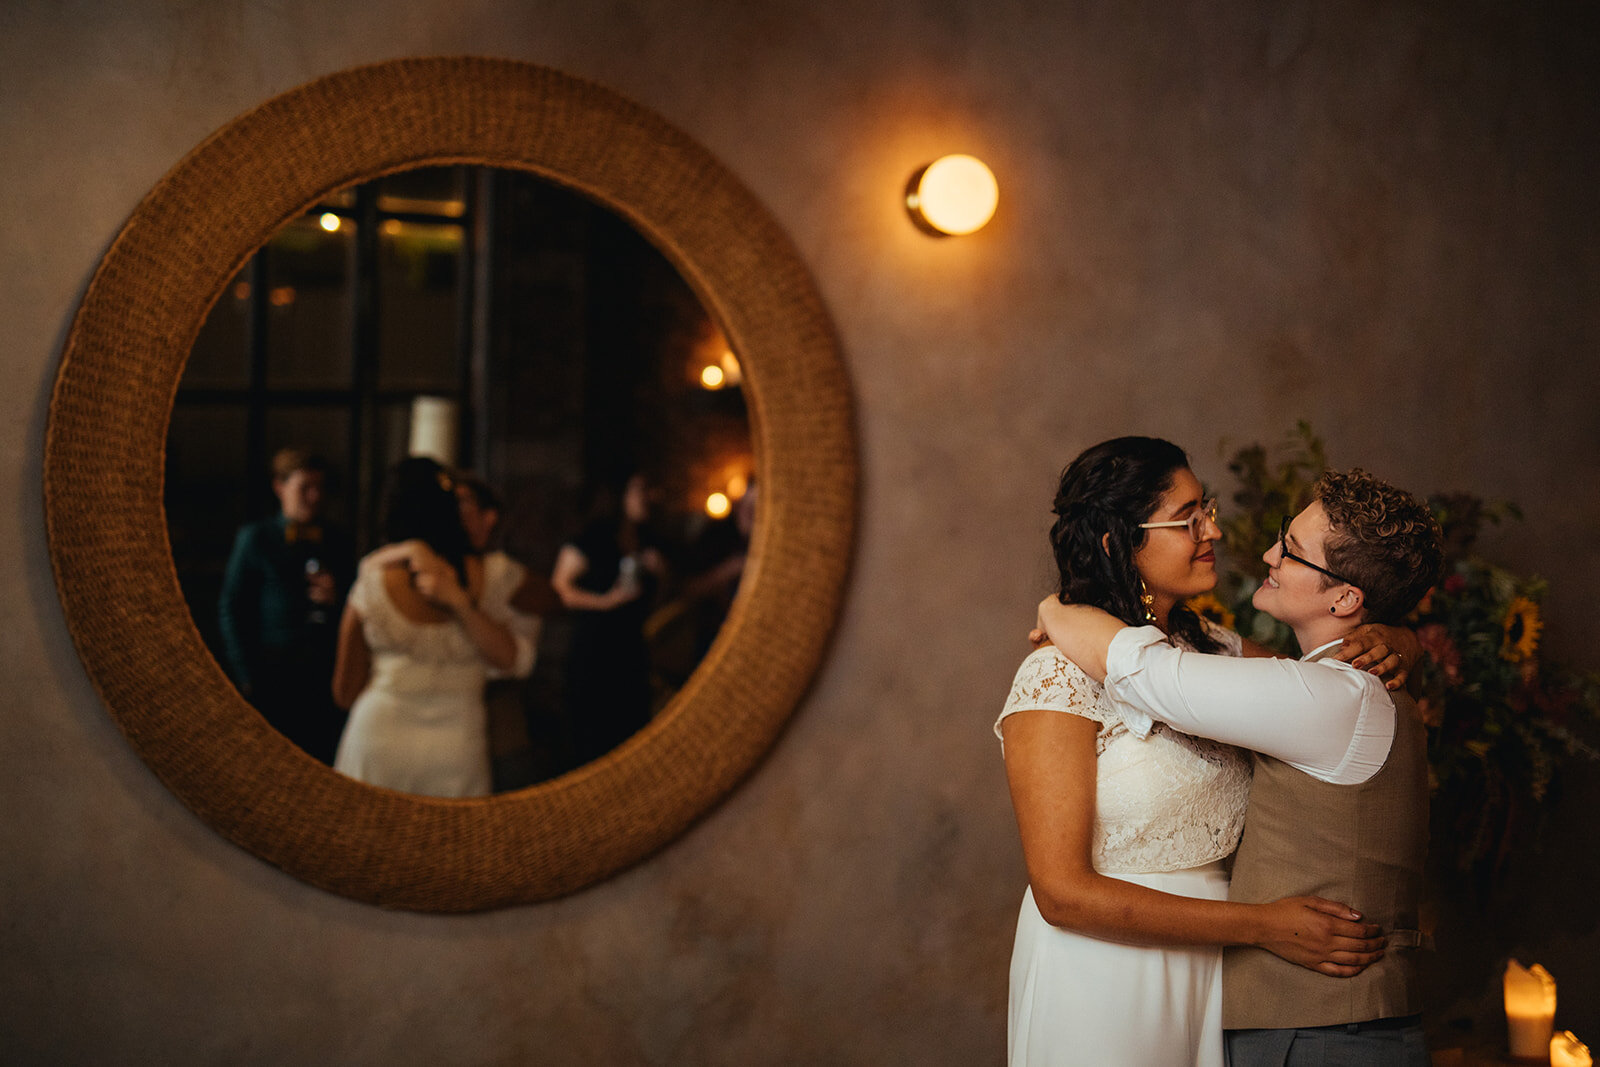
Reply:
x=1144, y=744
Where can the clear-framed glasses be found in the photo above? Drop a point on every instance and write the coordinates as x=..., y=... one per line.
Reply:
x=1203, y=516
x=1283, y=549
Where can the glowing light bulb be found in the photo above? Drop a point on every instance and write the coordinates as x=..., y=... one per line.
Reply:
x=329, y=221
x=953, y=195
x=717, y=505
x=712, y=376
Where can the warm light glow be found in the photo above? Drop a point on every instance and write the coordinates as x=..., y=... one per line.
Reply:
x=954, y=195
x=1530, y=1009
x=712, y=377
x=732, y=374
x=241, y=291
x=330, y=222
x=737, y=485
x=392, y=227
x=1567, y=1051
x=717, y=505
x=282, y=296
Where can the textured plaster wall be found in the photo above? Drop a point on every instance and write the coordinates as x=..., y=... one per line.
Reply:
x=1216, y=218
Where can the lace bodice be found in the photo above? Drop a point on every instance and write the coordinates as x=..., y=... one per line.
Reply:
x=1164, y=803
x=435, y=658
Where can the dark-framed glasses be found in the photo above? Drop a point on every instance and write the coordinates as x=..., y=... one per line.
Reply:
x=1283, y=548
x=1203, y=516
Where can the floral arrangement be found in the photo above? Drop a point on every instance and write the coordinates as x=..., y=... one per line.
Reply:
x=1502, y=720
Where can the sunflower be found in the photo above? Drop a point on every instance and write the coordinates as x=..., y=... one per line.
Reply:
x=1207, y=606
x=1522, y=626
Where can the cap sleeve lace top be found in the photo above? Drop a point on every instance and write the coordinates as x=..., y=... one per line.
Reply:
x=1165, y=802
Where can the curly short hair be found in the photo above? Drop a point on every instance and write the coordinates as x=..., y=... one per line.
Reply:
x=1383, y=539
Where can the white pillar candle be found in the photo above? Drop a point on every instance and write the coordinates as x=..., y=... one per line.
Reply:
x=1567, y=1051
x=1530, y=1011
x=433, y=429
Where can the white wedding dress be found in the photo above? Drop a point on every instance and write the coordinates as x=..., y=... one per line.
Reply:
x=420, y=725
x=1168, y=810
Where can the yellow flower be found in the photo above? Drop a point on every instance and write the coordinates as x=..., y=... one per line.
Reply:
x=1207, y=606
x=1522, y=626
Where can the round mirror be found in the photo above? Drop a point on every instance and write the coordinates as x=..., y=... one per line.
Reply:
x=547, y=355
x=177, y=257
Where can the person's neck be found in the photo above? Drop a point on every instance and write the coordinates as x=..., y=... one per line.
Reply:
x=1318, y=632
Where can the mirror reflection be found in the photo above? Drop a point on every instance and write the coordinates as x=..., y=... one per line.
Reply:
x=459, y=480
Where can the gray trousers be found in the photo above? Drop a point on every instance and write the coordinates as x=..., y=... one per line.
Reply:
x=1382, y=1043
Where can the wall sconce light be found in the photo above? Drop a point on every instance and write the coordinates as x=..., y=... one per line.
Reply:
x=951, y=196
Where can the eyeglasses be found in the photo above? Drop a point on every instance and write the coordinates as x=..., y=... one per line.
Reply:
x=1203, y=516
x=1283, y=548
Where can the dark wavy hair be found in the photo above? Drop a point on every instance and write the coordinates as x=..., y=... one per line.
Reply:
x=419, y=502
x=1103, y=497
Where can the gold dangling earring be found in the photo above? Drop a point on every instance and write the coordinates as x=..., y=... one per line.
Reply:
x=1148, y=600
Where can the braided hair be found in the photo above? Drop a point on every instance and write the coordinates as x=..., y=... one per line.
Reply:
x=1103, y=497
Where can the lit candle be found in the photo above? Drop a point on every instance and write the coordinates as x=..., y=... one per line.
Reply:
x=1530, y=1011
x=1567, y=1051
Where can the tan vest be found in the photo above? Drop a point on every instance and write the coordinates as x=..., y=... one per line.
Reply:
x=1362, y=845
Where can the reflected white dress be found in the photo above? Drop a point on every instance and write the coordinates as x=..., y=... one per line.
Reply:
x=1169, y=808
x=420, y=725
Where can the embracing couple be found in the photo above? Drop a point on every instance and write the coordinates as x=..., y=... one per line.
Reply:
x=1130, y=739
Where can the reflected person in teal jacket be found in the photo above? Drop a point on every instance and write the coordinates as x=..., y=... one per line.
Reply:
x=282, y=594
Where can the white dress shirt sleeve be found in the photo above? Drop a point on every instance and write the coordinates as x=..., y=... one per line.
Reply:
x=1325, y=718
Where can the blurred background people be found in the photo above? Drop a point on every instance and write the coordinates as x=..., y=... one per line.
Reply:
x=718, y=560
x=278, y=610
x=518, y=756
x=607, y=576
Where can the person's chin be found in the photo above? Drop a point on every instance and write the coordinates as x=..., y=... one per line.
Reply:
x=1261, y=599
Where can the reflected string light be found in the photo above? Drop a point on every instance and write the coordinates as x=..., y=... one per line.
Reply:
x=330, y=222
x=732, y=374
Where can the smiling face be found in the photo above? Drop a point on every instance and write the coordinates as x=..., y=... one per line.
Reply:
x=1172, y=565
x=1296, y=594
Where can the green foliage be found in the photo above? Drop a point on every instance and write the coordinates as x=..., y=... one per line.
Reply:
x=1270, y=486
x=1503, y=724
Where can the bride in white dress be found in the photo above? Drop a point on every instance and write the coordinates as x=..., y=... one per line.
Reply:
x=426, y=624
x=1118, y=947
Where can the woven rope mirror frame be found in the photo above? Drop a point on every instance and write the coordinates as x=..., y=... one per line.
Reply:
x=107, y=531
